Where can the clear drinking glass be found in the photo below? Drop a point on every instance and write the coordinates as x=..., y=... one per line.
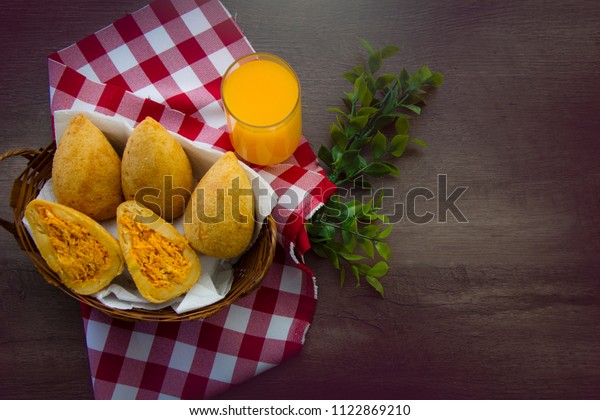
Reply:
x=262, y=100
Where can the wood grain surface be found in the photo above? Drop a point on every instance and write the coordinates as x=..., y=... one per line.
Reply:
x=504, y=306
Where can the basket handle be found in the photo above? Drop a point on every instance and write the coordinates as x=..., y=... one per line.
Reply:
x=29, y=154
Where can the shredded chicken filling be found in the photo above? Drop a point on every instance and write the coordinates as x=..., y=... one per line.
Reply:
x=161, y=260
x=80, y=256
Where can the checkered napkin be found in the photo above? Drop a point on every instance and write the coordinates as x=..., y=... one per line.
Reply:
x=166, y=61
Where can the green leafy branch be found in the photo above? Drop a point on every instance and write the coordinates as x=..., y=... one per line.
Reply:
x=337, y=229
x=367, y=136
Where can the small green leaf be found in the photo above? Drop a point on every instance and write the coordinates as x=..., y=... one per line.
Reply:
x=380, y=269
x=359, y=122
x=415, y=98
x=349, y=221
x=337, y=247
x=363, y=268
x=336, y=153
x=356, y=274
x=349, y=240
x=350, y=76
x=378, y=169
x=436, y=79
x=367, y=218
x=362, y=183
x=424, y=73
x=338, y=136
x=349, y=161
x=347, y=102
x=383, y=250
x=398, y=144
x=367, y=246
x=325, y=155
x=421, y=75
x=366, y=207
x=379, y=145
x=342, y=276
x=358, y=143
x=366, y=44
x=332, y=212
x=361, y=92
x=370, y=231
x=317, y=248
x=385, y=233
x=370, y=81
x=321, y=233
x=332, y=256
x=376, y=284
x=362, y=163
x=402, y=124
x=392, y=102
x=375, y=61
x=414, y=108
x=337, y=110
x=419, y=142
x=335, y=201
x=326, y=252
x=359, y=87
x=343, y=214
x=384, y=80
x=360, y=70
x=404, y=77
x=383, y=121
x=378, y=198
x=351, y=257
x=384, y=218
x=389, y=51
x=367, y=110
x=366, y=98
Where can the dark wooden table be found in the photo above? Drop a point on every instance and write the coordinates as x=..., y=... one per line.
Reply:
x=504, y=306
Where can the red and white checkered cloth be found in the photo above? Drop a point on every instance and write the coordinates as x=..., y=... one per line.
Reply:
x=166, y=61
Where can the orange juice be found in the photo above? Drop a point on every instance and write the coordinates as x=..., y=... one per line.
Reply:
x=261, y=94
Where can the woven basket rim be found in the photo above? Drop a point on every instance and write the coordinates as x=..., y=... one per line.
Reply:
x=248, y=271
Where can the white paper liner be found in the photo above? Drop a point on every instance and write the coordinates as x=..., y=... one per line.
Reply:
x=216, y=274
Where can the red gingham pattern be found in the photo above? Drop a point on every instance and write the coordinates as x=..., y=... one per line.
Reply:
x=166, y=61
x=198, y=359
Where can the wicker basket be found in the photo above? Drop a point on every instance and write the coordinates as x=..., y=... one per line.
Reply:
x=248, y=272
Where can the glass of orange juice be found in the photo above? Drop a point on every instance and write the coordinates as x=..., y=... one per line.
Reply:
x=261, y=96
